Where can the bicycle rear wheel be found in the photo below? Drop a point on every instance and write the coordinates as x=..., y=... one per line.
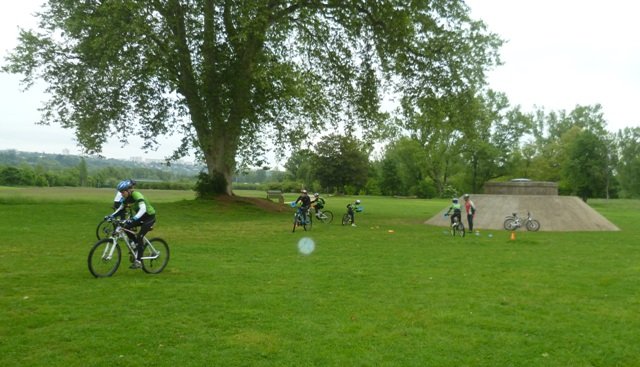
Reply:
x=155, y=256
x=461, y=231
x=509, y=224
x=326, y=216
x=104, y=258
x=105, y=229
x=533, y=225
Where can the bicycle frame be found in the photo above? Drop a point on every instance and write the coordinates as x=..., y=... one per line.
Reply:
x=120, y=233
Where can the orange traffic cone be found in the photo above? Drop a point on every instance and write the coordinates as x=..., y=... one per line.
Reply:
x=513, y=235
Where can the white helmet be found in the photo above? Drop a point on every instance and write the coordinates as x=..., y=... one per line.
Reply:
x=358, y=201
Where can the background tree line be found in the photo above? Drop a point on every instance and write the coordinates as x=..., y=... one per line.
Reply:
x=234, y=78
x=447, y=146
x=47, y=170
x=451, y=145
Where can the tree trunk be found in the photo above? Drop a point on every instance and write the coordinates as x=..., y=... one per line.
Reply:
x=220, y=159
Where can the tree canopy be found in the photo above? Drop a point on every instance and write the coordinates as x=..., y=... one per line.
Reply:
x=233, y=76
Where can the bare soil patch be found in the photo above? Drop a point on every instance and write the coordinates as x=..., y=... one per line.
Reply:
x=264, y=204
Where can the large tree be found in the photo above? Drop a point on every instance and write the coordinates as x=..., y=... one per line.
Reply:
x=586, y=166
x=232, y=76
x=342, y=161
x=628, y=168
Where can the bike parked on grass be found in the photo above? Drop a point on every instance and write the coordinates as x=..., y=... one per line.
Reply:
x=105, y=256
x=513, y=222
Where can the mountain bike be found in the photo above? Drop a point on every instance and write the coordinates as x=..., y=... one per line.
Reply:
x=457, y=227
x=513, y=222
x=346, y=218
x=298, y=220
x=325, y=216
x=105, y=255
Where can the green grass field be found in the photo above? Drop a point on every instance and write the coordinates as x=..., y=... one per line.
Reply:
x=237, y=292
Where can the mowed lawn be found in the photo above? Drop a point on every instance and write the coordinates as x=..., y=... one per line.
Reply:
x=237, y=292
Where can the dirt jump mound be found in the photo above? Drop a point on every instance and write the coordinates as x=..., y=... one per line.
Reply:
x=555, y=213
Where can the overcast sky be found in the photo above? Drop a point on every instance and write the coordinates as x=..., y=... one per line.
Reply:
x=559, y=54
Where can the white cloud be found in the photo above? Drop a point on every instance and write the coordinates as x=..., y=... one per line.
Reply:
x=563, y=53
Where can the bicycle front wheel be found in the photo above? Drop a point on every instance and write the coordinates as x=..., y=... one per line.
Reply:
x=105, y=229
x=155, y=256
x=104, y=258
x=326, y=217
x=296, y=221
x=533, y=225
x=346, y=219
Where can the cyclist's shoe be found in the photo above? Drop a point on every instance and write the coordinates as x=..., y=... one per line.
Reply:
x=136, y=265
x=353, y=224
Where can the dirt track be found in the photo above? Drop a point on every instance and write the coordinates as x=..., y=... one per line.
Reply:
x=555, y=213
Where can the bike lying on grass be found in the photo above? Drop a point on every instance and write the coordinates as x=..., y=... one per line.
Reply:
x=456, y=228
x=105, y=256
x=513, y=222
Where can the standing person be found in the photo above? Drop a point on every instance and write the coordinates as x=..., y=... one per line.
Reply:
x=144, y=218
x=351, y=210
x=305, y=201
x=470, y=208
x=457, y=210
x=318, y=204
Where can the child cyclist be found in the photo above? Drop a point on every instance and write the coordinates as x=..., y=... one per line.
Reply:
x=351, y=209
x=318, y=203
x=144, y=217
x=457, y=210
x=305, y=203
